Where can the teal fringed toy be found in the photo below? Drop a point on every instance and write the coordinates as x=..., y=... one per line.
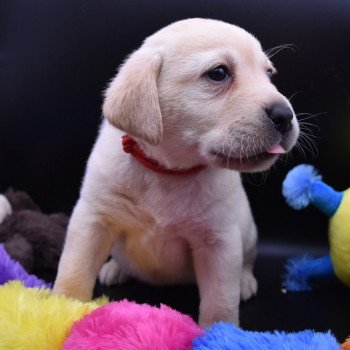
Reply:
x=302, y=186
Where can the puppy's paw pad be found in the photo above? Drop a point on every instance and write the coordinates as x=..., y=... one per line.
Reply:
x=249, y=286
x=111, y=274
x=5, y=208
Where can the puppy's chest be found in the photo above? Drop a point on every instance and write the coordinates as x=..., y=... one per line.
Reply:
x=186, y=207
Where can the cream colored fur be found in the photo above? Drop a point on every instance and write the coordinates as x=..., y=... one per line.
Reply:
x=5, y=208
x=178, y=229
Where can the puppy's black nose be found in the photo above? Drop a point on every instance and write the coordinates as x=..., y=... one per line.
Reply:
x=281, y=115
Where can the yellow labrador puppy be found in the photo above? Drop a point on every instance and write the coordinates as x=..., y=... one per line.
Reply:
x=198, y=106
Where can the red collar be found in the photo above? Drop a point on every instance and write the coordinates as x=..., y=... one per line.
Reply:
x=131, y=146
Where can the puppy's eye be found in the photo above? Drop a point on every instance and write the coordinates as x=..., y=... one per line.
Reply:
x=218, y=73
x=270, y=73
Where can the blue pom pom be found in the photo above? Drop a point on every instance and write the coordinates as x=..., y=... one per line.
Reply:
x=224, y=336
x=297, y=185
x=297, y=278
x=301, y=271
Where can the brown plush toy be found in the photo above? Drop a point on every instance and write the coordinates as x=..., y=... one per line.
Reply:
x=31, y=237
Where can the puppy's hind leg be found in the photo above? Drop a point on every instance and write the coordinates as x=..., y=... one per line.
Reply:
x=249, y=285
x=87, y=247
x=112, y=273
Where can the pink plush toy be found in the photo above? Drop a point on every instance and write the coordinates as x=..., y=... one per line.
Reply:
x=129, y=326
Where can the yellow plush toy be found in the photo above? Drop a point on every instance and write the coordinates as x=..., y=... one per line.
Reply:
x=302, y=186
x=33, y=318
x=339, y=239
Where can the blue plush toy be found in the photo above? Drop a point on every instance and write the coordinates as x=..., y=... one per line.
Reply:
x=11, y=270
x=226, y=336
x=302, y=186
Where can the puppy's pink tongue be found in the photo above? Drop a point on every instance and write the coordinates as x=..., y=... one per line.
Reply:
x=277, y=149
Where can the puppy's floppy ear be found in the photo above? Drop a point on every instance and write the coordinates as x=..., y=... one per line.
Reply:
x=131, y=100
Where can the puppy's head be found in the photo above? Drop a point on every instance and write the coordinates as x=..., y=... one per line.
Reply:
x=205, y=87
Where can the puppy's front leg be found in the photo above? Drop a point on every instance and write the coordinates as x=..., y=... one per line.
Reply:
x=218, y=268
x=87, y=247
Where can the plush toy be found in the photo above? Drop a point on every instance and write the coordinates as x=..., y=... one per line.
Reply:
x=12, y=270
x=301, y=187
x=30, y=237
x=33, y=318
x=225, y=336
x=129, y=326
x=346, y=345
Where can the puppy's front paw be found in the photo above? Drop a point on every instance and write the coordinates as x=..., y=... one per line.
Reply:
x=249, y=285
x=5, y=208
x=111, y=273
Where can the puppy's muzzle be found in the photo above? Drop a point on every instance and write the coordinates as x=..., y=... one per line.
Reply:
x=281, y=115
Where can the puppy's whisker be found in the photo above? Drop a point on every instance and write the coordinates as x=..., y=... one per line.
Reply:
x=287, y=157
x=302, y=123
x=310, y=136
x=308, y=132
x=306, y=116
x=308, y=144
x=300, y=149
x=307, y=137
x=293, y=95
x=264, y=175
x=275, y=50
x=229, y=153
x=232, y=144
x=312, y=143
x=291, y=155
x=256, y=179
x=246, y=148
x=226, y=140
x=312, y=114
x=254, y=147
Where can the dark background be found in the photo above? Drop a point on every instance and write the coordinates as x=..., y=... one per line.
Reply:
x=56, y=58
